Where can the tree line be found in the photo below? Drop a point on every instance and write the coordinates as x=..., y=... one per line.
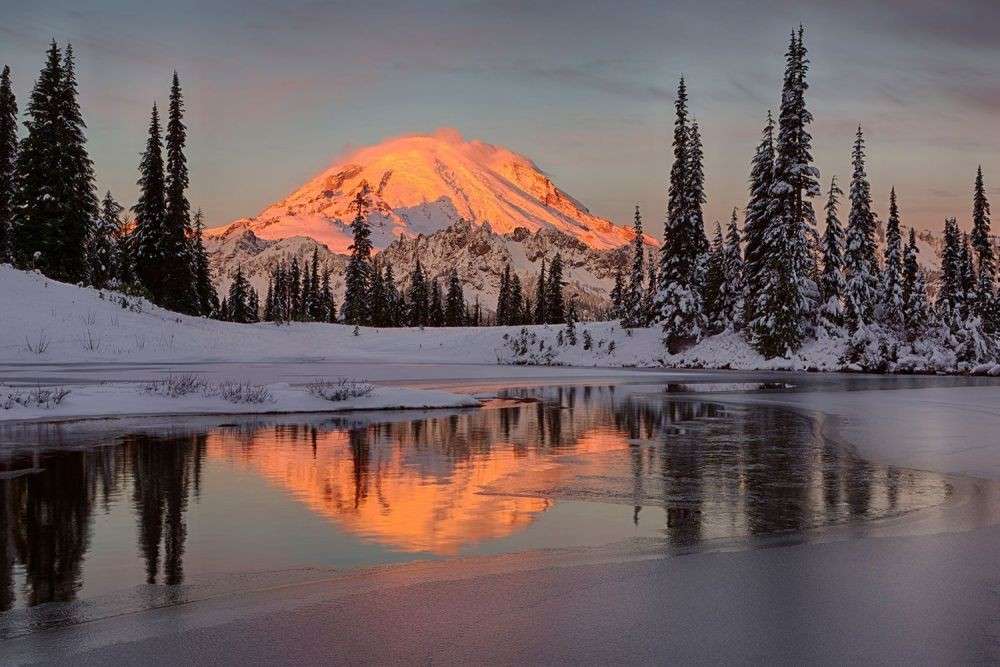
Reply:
x=781, y=283
x=50, y=216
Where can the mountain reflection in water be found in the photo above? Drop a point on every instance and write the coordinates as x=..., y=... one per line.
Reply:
x=688, y=470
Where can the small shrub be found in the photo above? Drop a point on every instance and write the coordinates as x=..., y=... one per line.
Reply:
x=243, y=392
x=340, y=389
x=175, y=386
x=38, y=346
x=39, y=397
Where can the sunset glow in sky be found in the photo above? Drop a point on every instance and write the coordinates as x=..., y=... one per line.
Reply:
x=276, y=90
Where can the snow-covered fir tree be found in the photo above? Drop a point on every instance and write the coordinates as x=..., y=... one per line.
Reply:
x=755, y=218
x=987, y=306
x=784, y=311
x=949, y=294
x=731, y=291
x=177, y=263
x=358, y=277
x=555, y=310
x=519, y=311
x=860, y=260
x=207, y=299
x=102, y=248
x=149, y=211
x=633, y=315
x=503, y=298
x=679, y=301
x=833, y=285
x=617, y=311
x=54, y=202
x=891, y=303
x=418, y=297
x=916, y=308
x=8, y=163
x=238, y=303
x=649, y=294
x=454, y=309
x=714, y=280
x=541, y=298
x=436, y=315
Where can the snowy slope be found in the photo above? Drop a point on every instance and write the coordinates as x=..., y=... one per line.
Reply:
x=424, y=183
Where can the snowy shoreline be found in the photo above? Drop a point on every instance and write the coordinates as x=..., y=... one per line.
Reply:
x=130, y=400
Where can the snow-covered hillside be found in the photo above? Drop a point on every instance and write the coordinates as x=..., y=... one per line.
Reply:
x=423, y=183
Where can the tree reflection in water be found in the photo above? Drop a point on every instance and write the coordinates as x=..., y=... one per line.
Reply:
x=439, y=485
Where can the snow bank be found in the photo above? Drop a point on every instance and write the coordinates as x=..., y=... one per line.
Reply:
x=131, y=399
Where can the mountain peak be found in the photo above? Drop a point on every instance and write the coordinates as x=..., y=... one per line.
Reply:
x=422, y=183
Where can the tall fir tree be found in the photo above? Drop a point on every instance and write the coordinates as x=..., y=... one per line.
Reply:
x=541, y=298
x=832, y=283
x=617, y=296
x=967, y=279
x=54, y=201
x=861, y=262
x=177, y=263
x=8, y=163
x=454, y=311
x=987, y=306
x=634, y=316
x=436, y=315
x=418, y=298
x=891, y=305
x=679, y=299
x=785, y=307
x=916, y=311
x=949, y=296
x=359, y=271
x=555, y=308
x=238, y=302
x=715, y=277
x=207, y=299
x=102, y=250
x=518, y=310
x=755, y=218
x=652, y=287
x=503, y=298
x=733, y=272
x=149, y=211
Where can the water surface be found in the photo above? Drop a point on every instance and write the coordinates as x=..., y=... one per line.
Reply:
x=153, y=515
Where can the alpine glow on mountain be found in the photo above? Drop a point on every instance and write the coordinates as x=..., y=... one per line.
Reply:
x=422, y=183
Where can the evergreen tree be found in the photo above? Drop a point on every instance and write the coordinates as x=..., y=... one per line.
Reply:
x=317, y=308
x=418, y=298
x=680, y=305
x=715, y=277
x=916, y=313
x=436, y=314
x=784, y=310
x=986, y=299
x=177, y=263
x=207, y=300
x=755, y=218
x=555, y=309
x=102, y=250
x=832, y=283
x=54, y=202
x=238, y=301
x=503, y=299
x=294, y=287
x=454, y=311
x=115, y=233
x=861, y=263
x=652, y=287
x=269, y=300
x=949, y=294
x=329, y=307
x=731, y=290
x=617, y=311
x=378, y=309
x=541, y=298
x=967, y=277
x=477, y=314
x=359, y=272
x=8, y=163
x=149, y=211
x=634, y=317
x=892, y=277
x=519, y=311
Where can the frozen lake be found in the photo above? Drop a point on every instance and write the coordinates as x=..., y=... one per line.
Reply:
x=100, y=519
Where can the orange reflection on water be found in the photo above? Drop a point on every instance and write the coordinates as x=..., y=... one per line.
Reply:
x=392, y=491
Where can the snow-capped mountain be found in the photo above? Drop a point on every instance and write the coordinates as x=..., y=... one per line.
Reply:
x=423, y=183
x=451, y=202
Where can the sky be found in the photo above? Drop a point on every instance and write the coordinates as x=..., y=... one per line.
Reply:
x=275, y=91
